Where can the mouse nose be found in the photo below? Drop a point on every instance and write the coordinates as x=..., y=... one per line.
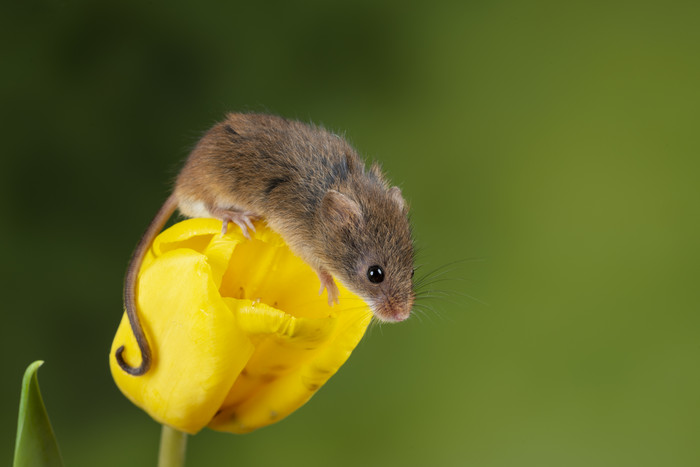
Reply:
x=402, y=314
x=395, y=310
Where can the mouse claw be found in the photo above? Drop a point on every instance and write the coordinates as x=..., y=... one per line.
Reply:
x=328, y=283
x=243, y=219
x=333, y=298
x=244, y=230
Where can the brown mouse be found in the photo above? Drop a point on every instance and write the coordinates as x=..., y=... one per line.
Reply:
x=311, y=187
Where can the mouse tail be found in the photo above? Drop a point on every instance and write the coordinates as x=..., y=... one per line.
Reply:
x=130, y=280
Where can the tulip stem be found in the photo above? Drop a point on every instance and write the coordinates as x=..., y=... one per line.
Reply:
x=172, y=447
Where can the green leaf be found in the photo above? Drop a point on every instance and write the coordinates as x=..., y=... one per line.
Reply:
x=36, y=444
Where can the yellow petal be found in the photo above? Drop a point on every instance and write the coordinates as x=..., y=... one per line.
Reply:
x=265, y=269
x=240, y=336
x=293, y=358
x=198, y=349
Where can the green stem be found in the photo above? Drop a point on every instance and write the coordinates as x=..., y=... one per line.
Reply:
x=172, y=447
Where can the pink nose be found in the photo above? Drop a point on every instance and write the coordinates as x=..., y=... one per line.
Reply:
x=395, y=312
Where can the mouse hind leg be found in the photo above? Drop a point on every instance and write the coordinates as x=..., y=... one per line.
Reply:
x=242, y=218
x=198, y=207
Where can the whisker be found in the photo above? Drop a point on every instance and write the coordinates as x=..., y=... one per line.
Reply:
x=435, y=274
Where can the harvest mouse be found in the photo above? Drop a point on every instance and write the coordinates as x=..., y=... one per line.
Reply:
x=311, y=187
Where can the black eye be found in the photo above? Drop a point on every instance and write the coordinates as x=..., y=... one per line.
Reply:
x=413, y=271
x=375, y=274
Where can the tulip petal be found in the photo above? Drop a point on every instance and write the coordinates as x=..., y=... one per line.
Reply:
x=294, y=357
x=239, y=334
x=198, y=350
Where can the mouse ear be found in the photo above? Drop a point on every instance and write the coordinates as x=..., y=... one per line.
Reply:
x=338, y=209
x=395, y=195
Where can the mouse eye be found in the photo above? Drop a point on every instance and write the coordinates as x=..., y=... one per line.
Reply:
x=375, y=274
x=413, y=271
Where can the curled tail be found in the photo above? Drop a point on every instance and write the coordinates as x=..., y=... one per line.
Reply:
x=132, y=274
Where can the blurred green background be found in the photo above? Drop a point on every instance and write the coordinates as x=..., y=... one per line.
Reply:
x=552, y=145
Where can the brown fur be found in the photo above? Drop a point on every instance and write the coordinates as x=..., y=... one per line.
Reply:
x=311, y=187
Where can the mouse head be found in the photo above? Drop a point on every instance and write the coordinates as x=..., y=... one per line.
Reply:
x=368, y=247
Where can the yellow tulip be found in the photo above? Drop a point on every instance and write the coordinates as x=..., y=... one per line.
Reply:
x=239, y=335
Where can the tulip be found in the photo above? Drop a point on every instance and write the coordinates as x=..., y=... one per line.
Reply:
x=239, y=335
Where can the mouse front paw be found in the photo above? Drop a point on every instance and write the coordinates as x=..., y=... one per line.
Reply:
x=328, y=283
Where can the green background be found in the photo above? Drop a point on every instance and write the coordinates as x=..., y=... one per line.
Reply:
x=552, y=146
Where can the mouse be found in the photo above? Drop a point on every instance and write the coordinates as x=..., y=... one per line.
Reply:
x=309, y=185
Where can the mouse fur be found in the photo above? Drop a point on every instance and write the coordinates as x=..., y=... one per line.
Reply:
x=311, y=187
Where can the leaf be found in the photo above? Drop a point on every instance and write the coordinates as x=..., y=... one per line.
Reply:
x=36, y=444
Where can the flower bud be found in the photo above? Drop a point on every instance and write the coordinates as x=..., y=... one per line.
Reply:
x=239, y=335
